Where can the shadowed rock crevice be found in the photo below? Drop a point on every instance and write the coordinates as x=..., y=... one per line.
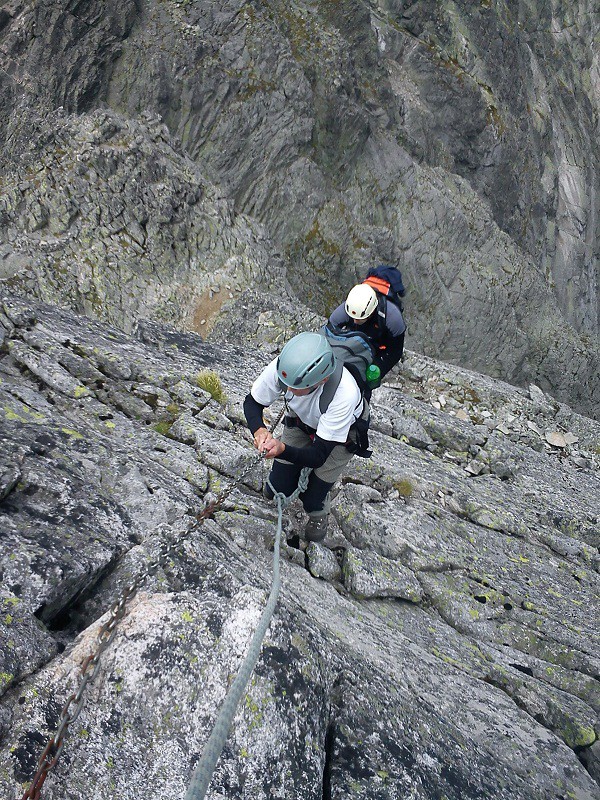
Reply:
x=329, y=754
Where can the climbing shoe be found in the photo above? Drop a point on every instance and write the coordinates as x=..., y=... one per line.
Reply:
x=316, y=529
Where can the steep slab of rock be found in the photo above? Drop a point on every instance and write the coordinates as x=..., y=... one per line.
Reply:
x=484, y=683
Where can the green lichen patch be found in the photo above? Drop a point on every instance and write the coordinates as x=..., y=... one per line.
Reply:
x=70, y=432
x=6, y=678
x=578, y=735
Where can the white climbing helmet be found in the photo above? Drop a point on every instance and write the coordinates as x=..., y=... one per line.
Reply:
x=361, y=302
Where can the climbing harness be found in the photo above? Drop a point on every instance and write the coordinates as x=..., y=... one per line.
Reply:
x=74, y=704
x=216, y=741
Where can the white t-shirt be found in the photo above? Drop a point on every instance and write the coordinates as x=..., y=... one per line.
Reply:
x=334, y=425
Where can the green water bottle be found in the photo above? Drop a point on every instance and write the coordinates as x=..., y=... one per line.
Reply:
x=372, y=375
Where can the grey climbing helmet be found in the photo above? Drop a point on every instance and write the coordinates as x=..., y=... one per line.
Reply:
x=305, y=361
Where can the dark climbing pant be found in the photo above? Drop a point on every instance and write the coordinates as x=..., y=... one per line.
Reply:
x=284, y=476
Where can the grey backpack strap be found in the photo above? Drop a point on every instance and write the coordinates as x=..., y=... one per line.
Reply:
x=382, y=309
x=330, y=388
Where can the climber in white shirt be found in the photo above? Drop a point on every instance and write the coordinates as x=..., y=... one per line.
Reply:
x=319, y=427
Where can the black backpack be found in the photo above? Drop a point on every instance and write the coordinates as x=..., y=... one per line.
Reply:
x=387, y=282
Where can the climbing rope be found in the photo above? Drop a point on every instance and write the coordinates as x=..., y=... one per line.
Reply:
x=216, y=741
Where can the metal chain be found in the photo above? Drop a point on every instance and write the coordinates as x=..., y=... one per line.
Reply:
x=107, y=633
x=215, y=505
x=279, y=416
x=68, y=715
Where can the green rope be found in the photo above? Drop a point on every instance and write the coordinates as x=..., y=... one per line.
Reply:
x=216, y=741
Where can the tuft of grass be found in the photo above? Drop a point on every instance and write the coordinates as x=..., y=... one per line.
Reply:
x=404, y=487
x=209, y=381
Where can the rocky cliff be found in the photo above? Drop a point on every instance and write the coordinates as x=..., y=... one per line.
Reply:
x=442, y=642
x=153, y=152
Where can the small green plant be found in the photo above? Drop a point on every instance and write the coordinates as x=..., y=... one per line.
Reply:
x=209, y=381
x=404, y=487
x=163, y=427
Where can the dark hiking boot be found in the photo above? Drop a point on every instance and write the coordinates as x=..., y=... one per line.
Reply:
x=316, y=529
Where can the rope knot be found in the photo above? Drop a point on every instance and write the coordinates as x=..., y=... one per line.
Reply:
x=282, y=499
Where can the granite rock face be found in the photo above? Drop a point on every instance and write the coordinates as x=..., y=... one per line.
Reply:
x=457, y=140
x=113, y=222
x=441, y=641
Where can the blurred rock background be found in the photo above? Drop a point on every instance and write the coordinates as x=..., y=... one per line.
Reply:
x=153, y=152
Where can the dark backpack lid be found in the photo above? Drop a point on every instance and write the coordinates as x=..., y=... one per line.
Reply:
x=390, y=274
